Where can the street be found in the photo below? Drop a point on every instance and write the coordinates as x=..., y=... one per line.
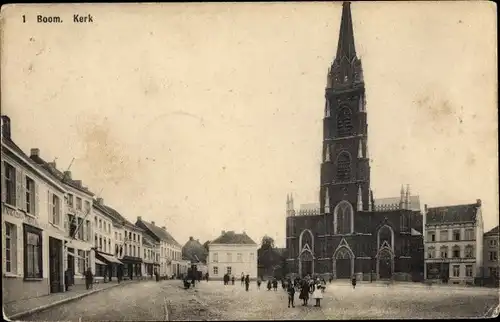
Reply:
x=214, y=301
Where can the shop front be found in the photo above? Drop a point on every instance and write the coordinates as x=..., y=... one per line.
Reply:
x=132, y=267
x=107, y=266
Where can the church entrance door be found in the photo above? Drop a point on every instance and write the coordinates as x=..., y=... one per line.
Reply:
x=306, y=263
x=385, y=264
x=343, y=264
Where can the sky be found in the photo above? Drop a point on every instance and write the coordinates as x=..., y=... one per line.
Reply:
x=203, y=117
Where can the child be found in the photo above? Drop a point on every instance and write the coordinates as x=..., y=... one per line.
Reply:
x=269, y=285
x=291, y=294
x=258, y=283
x=353, y=281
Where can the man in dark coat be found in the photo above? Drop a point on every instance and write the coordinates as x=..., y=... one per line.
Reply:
x=247, y=282
x=88, y=278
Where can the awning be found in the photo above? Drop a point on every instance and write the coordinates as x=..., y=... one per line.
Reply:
x=97, y=261
x=109, y=258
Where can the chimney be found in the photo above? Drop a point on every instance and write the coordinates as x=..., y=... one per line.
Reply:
x=190, y=238
x=223, y=232
x=425, y=208
x=52, y=164
x=153, y=223
x=78, y=182
x=139, y=218
x=6, y=126
x=67, y=174
x=35, y=152
x=478, y=202
x=100, y=201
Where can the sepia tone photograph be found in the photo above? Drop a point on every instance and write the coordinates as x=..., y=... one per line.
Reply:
x=249, y=161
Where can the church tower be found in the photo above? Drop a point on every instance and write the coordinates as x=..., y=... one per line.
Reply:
x=345, y=169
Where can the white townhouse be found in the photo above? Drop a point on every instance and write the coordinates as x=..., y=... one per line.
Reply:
x=108, y=235
x=453, y=242
x=77, y=221
x=151, y=255
x=233, y=254
x=491, y=263
x=170, y=260
x=32, y=225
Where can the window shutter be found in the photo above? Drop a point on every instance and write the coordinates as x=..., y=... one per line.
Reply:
x=36, y=204
x=19, y=250
x=66, y=222
x=49, y=205
x=4, y=224
x=19, y=188
x=60, y=211
x=4, y=193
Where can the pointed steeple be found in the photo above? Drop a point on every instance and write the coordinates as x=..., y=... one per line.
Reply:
x=292, y=209
x=407, y=199
x=360, y=199
x=345, y=47
x=327, y=201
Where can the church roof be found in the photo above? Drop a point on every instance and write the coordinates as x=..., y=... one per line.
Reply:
x=492, y=232
x=452, y=214
x=393, y=203
x=230, y=237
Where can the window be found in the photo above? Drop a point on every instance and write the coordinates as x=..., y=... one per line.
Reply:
x=95, y=222
x=89, y=231
x=133, y=237
x=96, y=242
x=133, y=251
x=228, y=270
x=70, y=200
x=72, y=225
x=468, y=270
x=56, y=210
x=121, y=239
x=431, y=236
x=109, y=228
x=239, y=257
x=80, y=234
x=430, y=252
x=215, y=258
x=404, y=223
x=343, y=216
x=343, y=167
x=252, y=257
x=456, y=235
x=344, y=121
x=469, y=251
x=444, y=252
x=456, y=271
x=10, y=248
x=87, y=206
x=130, y=250
x=105, y=244
x=32, y=252
x=443, y=235
x=78, y=203
x=229, y=257
x=493, y=272
x=30, y=196
x=116, y=235
x=456, y=252
x=10, y=184
x=81, y=261
x=145, y=254
x=100, y=243
x=100, y=224
x=493, y=256
x=469, y=234
x=109, y=245
x=493, y=242
x=216, y=270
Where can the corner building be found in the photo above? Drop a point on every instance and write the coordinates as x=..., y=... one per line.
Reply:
x=346, y=236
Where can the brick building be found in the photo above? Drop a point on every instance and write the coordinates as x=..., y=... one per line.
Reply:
x=347, y=235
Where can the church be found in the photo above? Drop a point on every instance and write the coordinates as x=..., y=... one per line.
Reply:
x=350, y=233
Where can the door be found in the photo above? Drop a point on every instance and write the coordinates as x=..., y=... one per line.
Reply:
x=71, y=266
x=385, y=265
x=55, y=268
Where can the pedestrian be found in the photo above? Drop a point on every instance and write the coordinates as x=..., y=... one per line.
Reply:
x=304, y=292
x=318, y=294
x=275, y=284
x=330, y=279
x=291, y=294
x=353, y=281
x=66, y=279
x=242, y=279
x=88, y=278
x=247, y=282
x=269, y=285
x=232, y=279
x=258, y=283
x=206, y=276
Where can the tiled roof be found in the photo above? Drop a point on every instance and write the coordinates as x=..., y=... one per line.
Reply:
x=194, y=251
x=116, y=215
x=59, y=175
x=492, y=232
x=451, y=214
x=230, y=237
x=159, y=232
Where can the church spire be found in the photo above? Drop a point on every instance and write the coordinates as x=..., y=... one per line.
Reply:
x=345, y=46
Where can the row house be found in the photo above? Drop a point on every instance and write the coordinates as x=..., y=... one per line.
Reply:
x=453, y=242
x=33, y=235
x=491, y=264
x=170, y=260
x=76, y=220
x=233, y=254
x=151, y=256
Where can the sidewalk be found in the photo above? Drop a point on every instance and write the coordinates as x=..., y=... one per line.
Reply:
x=18, y=309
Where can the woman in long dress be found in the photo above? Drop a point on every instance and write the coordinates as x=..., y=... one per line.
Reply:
x=304, y=293
x=318, y=294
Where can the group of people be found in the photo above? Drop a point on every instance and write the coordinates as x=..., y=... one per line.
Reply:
x=245, y=280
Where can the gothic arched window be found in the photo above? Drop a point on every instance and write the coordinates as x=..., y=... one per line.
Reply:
x=343, y=167
x=385, y=236
x=404, y=223
x=306, y=238
x=344, y=121
x=343, y=217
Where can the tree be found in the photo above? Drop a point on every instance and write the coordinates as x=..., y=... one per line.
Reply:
x=205, y=244
x=267, y=242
